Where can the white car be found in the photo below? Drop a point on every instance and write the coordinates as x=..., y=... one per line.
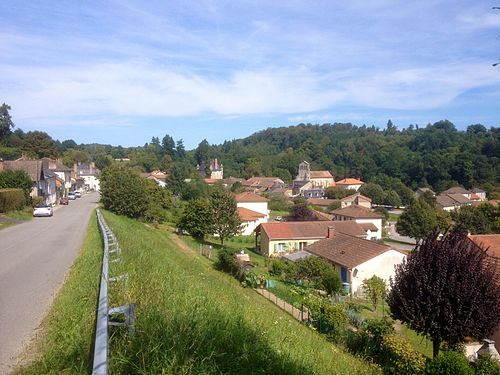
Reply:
x=43, y=210
x=71, y=196
x=78, y=194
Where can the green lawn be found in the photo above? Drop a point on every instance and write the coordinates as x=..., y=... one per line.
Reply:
x=191, y=319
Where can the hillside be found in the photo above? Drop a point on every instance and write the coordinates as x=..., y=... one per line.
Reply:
x=191, y=319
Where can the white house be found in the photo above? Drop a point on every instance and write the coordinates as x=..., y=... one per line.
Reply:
x=356, y=199
x=88, y=173
x=357, y=259
x=369, y=220
x=350, y=183
x=253, y=211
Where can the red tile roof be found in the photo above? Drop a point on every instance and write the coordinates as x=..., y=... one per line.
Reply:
x=320, y=174
x=354, y=196
x=321, y=202
x=249, y=215
x=248, y=196
x=309, y=229
x=350, y=181
x=456, y=190
x=357, y=212
x=488, y=241
x=346, y=250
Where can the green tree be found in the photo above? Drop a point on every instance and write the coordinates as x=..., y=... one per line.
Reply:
x=39, y=144
x=392, y=199
x=123, y=191
x=375, y=289
x=158, y=202
x=418, y=220
x=180, y=151
x=330, y=281
x=225, y=218
x=444, y=290
x=201, y=153
x=197, y=219
x=176, y=180
x=6, y=123
x=168, y=146
x=335, y=192
x=373, y=191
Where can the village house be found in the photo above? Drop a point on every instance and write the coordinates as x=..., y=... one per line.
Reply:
x=216, y=170
x=356, y=199
x=491, y=242
x=356, y=259
x=263, y=184
x=369, y=220
x=157, y=176
x=321, y=203
x=43, y=180
x=350, y=184
x=253, y=211
x=278, y=239
x=88, y=173
x=423, y=190
x=311, y=184
x=450, y=202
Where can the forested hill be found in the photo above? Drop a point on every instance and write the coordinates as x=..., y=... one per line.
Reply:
x=437, y=155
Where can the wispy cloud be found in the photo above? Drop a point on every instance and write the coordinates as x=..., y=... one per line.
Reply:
x=81, y=63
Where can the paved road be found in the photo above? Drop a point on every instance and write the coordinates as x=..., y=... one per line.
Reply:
x=34, y=259
x=393, y=235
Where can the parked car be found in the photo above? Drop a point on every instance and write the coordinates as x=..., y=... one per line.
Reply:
x=43, y=210
x=278, y=218
x=78, y=194
x=71, y=196
x=64, y=201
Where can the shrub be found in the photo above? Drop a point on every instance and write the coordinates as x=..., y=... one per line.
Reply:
x=16, y=180
x=397, y=356
x=11, y=199
x=449, y=363
x=226, y=261
x=486, y=366
x=330, y=281
x=335, y=317
x=379, y=327
x=37, y=200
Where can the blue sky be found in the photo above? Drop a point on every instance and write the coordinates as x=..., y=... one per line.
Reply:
x=120, y=72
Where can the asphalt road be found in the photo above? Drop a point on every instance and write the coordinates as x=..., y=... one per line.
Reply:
x=34, y=259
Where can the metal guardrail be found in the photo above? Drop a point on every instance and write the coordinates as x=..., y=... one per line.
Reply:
x=104, y=313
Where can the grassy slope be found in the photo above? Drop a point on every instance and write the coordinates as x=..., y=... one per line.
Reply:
x=191, y=319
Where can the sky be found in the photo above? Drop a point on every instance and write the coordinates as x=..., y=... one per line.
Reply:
x=120, y=72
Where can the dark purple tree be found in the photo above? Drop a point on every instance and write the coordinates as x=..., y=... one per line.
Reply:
x=301, y=212
x=447, y=289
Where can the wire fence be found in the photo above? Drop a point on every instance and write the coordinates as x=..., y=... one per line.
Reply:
x=302, y=314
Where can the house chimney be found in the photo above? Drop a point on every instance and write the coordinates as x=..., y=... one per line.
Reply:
x=331, y=232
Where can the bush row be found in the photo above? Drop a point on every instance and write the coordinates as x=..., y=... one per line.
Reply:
x=11, y=199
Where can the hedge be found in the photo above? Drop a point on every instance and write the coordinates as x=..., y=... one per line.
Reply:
x=11, y=199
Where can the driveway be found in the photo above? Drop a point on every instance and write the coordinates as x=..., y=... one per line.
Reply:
x=393, y=235
x=34, y=259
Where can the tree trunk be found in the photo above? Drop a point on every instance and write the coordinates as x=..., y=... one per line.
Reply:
x=435, y=347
